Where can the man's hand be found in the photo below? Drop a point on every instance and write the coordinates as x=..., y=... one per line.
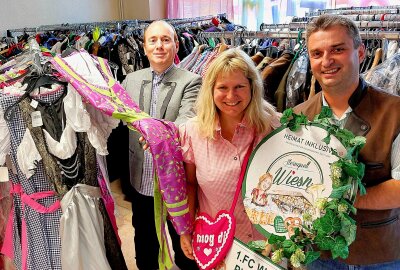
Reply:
x=380, y=197
x=186, y=245
x=142, y=141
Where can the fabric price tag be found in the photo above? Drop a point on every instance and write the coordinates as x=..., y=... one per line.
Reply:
x=4, y=174
x=36, y=119
x=34, y=103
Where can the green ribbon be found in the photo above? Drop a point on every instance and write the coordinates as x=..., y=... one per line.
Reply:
x=160, y=215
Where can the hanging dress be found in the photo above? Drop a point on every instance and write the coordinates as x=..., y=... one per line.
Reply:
x=5, y=198
x=35, y=221
x=32, y=235
x=109, y=97
x=79, y=169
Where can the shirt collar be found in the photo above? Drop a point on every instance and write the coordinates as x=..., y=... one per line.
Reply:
x=345, y=114
x=354, y=99
x=241, y=125
x=163, y=73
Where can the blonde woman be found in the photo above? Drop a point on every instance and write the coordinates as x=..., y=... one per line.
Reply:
x=231, y=115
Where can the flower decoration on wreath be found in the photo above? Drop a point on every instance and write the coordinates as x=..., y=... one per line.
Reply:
x=327, y=225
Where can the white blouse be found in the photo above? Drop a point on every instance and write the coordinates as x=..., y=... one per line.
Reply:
x=80, y=117
x=4, y=139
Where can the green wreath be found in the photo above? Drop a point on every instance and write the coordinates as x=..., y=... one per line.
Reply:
x=335, y=229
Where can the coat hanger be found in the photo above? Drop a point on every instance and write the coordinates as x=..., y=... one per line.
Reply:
x=223, y=46
x=203, y=40
x=375, y=52
x=364, y=64
x=34, y=82
x=36, y=78
x=376, y=59
x=299, y=47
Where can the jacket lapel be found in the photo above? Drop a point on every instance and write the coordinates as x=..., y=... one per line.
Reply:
x=356, y=124
x=145, y=96
x=167, y=89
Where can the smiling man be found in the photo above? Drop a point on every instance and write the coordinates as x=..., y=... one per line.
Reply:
x=165, y=92
x=336, y=51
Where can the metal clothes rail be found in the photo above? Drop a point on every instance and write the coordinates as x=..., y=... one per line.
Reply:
x=115, y=25
x=373, y=17
x=357, y=10
x=290, y=34
x=362, y=25
x=196, y=19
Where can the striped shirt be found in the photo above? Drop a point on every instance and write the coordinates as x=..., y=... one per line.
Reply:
x=147, y=187
x=395, y=159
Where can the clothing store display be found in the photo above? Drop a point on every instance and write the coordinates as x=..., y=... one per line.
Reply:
x=82, y=170
x=265, y=62
x=68, y=107
x=42, y=166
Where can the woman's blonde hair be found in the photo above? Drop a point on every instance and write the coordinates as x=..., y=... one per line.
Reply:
x=258, y=113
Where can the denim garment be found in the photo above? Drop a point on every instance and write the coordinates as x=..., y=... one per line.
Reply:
x=338, y=265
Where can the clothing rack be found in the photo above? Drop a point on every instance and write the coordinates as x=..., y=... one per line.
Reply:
x=290, y=34
x=75, y=27
x=196, y=19
x=387, y=25
x=116, y=25
x=249, y=34
x=357, y=10
x=368, y=30
x=366, y=18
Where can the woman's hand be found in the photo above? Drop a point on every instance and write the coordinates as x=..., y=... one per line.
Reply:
x=186, y=245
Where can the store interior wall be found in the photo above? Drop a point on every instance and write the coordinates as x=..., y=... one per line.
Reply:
x=24, y=13
x=144, y=10
x=158, y=9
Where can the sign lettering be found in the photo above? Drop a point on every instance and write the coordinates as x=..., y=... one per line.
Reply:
x=240, y=257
